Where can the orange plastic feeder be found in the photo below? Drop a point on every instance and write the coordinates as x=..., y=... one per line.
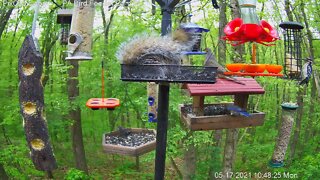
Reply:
x=234, y=67
x=251, y=74
x=254, y=68
x=99, y=103
x=273, y=68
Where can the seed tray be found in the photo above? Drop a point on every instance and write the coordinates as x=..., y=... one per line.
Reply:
x=168, y=73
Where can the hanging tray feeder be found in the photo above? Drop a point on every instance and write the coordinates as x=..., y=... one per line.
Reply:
x=132, y=150
x=168, y=73
x=99, y=103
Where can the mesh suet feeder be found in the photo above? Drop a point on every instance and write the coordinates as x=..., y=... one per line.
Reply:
x=196, y=32
x=292, y=44
x=64, y=17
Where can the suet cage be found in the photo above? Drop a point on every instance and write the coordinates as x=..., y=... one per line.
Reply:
x=64, y=17
x=292, y=49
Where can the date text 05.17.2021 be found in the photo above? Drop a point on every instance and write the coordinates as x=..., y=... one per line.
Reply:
x=256, y=175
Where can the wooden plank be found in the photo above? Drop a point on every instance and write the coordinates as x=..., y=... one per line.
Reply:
x=221, y=121
x=225, y=87
x=223, y=118
x=226, y=125
x=197, y=105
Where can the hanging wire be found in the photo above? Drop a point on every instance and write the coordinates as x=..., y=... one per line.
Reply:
x=35, y=17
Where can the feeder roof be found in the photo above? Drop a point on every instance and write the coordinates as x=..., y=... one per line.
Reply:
x=291, y=25
x=194, y=26
x=289, y=106
x=64, y=16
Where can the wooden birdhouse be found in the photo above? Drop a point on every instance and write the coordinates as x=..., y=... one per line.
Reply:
x=64, y=17
x=292, y=49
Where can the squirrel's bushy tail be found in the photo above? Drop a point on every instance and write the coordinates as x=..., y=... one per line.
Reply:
x=155, y=49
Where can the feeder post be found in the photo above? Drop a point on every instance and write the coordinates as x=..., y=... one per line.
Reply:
x=288, y=114
x=167, y=8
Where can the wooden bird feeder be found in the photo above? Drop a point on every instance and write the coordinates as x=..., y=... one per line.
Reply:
x=223, y=120
x=126, y=150
x=64, y=18
x=198, y=118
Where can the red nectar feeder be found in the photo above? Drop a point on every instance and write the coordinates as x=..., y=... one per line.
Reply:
x=248, y=28
x=262, y=33
x=102, y=103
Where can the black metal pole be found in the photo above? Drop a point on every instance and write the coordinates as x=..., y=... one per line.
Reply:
x=163, y=99
x=162, y=125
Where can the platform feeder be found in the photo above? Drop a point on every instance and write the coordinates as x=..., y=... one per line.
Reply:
x=292, y=44
x=64, y=18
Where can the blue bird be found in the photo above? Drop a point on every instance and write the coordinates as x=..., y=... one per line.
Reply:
x=235, y=110
x=306, y=72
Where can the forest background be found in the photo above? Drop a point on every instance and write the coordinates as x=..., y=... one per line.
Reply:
x=117, y=22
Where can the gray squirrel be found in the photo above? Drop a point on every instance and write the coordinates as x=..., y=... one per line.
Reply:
x=155, y=49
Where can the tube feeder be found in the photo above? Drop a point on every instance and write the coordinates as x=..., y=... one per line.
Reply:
x=292, y=44
x=288, y=114
x=152, y=102
x=80, y=38
x=64, y=18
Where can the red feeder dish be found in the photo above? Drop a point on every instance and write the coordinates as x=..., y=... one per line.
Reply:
x=261, y=33
x=99, y=103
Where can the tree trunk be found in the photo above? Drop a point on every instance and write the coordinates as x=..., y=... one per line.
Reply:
x=216, y=155
x=238, y=50
x=75, y=115
x=232, y=134
x=222, y=24
x=189, y=162
x=296, y=135
x=232, y=139
x=3, y=174
x=5, y=16
x=288, y=10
